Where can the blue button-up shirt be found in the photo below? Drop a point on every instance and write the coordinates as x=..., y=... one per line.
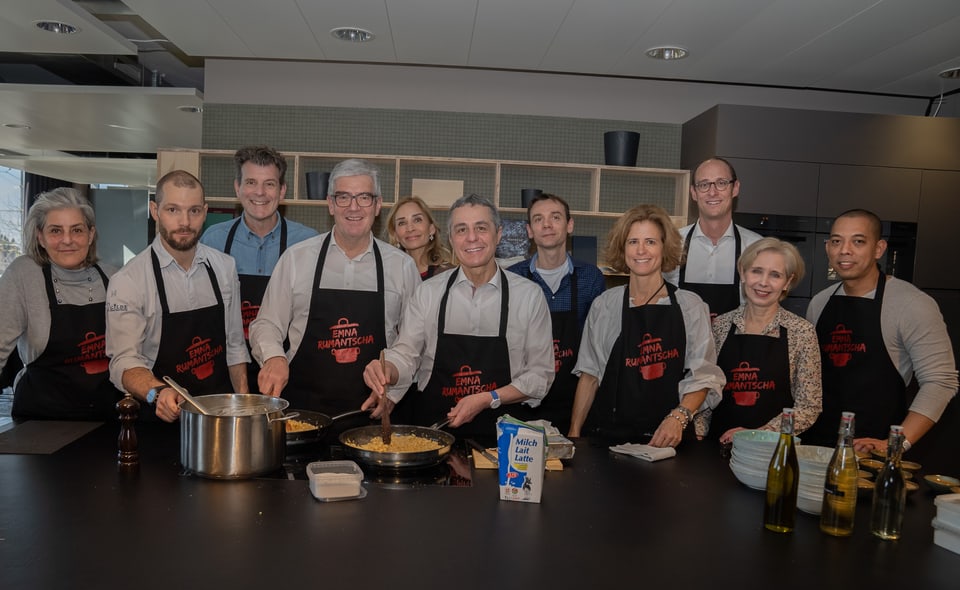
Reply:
x=590, y=284
x=255, y=255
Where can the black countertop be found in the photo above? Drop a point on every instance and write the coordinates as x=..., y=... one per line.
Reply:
x=71, y=520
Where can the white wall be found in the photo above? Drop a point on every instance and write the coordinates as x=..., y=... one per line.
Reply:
x=484, y=91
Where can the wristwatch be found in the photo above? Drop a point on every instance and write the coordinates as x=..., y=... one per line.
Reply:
x=154, y=393
x=495, y=402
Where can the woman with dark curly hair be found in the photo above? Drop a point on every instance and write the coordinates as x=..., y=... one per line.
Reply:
x=53, y=299
x=411, y=228
x=647, y=360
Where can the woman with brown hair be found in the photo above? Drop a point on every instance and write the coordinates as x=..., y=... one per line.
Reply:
x=647, y=360
x=411, y=228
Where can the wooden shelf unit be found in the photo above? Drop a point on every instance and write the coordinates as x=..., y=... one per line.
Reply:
x=600, y=192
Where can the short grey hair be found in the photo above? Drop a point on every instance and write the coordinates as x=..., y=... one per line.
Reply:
x=58, y=198
x=354, y=167
x=475, y=200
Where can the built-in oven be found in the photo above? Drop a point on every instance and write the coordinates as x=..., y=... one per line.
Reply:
x=809, y=234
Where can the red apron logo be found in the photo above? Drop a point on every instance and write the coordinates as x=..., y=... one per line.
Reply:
x=201, y=357
x=466, y=381
x=841, y=347
x=345, y=341
x=652, y=360
x=248, y=312
x=744, y=376
x=92, y=355
x=559, y=355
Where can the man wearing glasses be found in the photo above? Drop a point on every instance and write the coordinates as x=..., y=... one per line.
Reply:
x=712, y=245
x=337, y=298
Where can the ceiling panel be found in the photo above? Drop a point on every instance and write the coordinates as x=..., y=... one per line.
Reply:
x=194, y=26
x=275, y=29
x=19, y=34
x=428, y=31
x=365, y=14
x=516, y=35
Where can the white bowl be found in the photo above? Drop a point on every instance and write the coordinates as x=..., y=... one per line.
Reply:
x=810, y=504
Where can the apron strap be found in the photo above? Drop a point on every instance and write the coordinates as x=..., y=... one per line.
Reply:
x=233, y=232
x=162, y=291
x=504, y=303
x=736, y=255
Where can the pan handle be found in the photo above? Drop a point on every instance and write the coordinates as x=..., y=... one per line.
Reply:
x=440, y=425
x=346, y=414
x=282, y=418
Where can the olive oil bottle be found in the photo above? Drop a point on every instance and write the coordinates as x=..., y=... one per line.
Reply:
x=783, y=479
x=840, y=485
x=890, y=491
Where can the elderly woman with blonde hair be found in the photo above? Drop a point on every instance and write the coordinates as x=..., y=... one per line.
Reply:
x=647, y=361
x=53, y=300
x=769, y=355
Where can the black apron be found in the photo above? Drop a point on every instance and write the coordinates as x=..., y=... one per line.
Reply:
x=252, y=288
x=464, y=365
x=719, y=298
x=757, y=369
x=558, y=404
x=70, y=379
x=345, y=331
x=193, y=343
x=858, y=374
x=641, y=378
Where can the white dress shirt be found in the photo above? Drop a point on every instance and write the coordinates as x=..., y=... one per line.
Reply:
x=709, y=263
x=134, y=316
x=477, y=313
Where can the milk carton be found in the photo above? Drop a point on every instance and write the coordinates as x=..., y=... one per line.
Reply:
x=522, y=454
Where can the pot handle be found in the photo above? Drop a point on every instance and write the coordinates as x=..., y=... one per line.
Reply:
x=282, y=418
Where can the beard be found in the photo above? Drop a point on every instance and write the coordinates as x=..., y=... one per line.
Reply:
x=183, y=245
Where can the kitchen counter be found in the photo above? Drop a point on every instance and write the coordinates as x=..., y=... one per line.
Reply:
x=71, y=520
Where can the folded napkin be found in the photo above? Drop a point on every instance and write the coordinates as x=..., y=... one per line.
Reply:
x=645, y=452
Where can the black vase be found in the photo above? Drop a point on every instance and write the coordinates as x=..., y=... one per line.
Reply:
x=317, y=185
x=620, y=148
x=527, y=195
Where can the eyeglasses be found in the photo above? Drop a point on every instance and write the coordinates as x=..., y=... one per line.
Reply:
x=721, y=184
x=342, y=199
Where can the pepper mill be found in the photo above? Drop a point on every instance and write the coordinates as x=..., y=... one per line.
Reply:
x=127, y=454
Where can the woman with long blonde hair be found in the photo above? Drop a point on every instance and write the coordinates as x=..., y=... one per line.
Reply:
x=411, y=228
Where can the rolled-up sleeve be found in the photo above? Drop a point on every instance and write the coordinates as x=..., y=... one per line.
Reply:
x=532, y=364
x=126, y=328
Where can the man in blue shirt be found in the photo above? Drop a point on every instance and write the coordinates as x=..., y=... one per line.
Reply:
x=260, y=235
x=570, y=286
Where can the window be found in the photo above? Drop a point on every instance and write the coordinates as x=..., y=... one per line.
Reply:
x=11, y=216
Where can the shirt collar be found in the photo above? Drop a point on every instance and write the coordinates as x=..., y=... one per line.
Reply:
x=333, y=241
x=533, y=264
x=250, y=232
x=166, y=259
x=462, y=278
x=698, y=233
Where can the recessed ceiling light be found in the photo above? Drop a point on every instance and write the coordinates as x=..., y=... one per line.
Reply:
x=52, y=26
x=16, y=126
x=667, y=52
x=352, y=34
x=951, y=73
x=189, y=108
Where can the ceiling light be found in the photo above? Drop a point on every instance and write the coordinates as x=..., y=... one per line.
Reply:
x=951, y=73
x=189, y=108
x=16, y=126
x=52, y=26
x=667, y=52
x=352, y=34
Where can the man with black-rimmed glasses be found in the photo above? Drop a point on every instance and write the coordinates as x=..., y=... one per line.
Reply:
x=337, y=298
x=712, y=245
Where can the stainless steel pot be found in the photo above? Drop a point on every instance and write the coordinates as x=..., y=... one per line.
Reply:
x=243, y=436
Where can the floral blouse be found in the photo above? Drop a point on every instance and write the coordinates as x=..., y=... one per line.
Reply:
x=804, y=352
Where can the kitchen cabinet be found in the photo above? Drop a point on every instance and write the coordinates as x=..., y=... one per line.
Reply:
x=892, y=193
x=771, y=187
x=936, y=266
x=597, y=195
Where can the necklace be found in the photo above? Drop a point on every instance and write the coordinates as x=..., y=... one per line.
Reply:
x=654, y=294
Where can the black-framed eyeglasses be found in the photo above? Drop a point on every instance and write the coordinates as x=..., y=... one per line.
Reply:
x=342, y=199
x=721, y=184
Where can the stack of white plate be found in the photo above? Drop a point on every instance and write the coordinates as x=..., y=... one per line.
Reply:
x=813, y=471
x=750, y=456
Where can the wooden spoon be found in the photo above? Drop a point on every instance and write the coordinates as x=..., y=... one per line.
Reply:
x=384, y=416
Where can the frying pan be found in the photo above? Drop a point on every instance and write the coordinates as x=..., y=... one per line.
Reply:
x=321, y=421
x=355, y=437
